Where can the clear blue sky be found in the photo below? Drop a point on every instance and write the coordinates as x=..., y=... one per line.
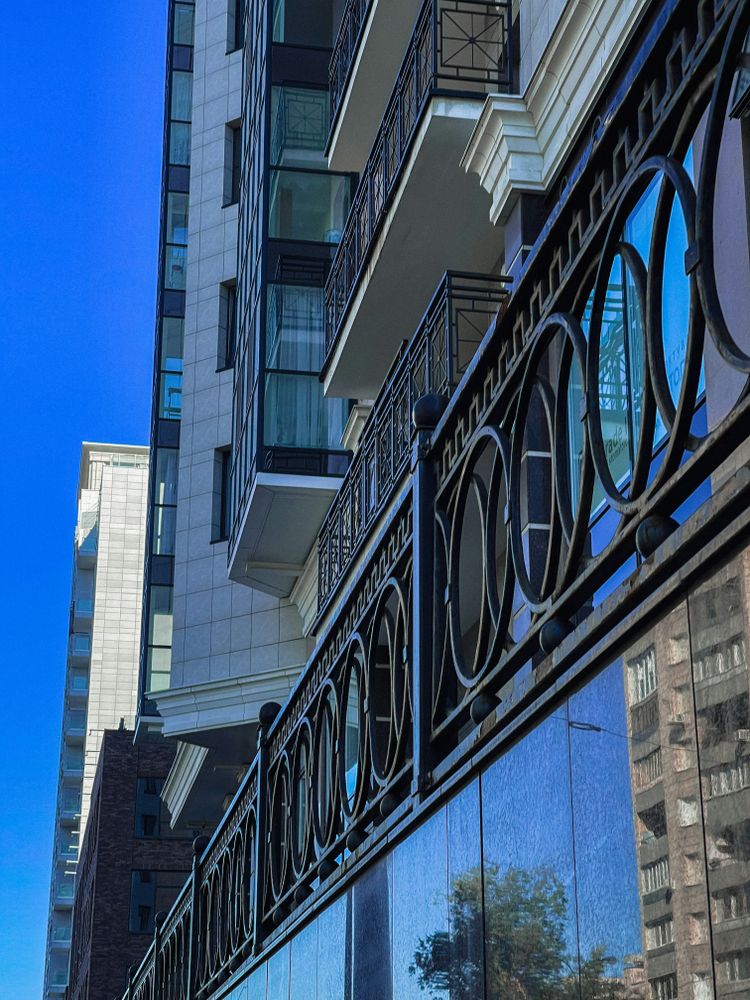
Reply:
x=81, y=91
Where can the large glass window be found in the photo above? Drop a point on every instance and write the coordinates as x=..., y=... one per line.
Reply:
x=182, y=96
x=184, y=23
x=159, y=652
x=299, y=126
x=303, y=22
x=307, y=206
x=297, y=415
x=148, y=807
x=165, y=502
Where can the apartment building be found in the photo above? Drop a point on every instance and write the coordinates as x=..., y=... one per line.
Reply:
x=131, y=867
x=485, y=476
x=101, y=677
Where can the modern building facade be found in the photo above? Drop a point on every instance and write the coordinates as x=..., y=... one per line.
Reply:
x=213, y=651
x=131, y=865
x=101, y=678
x=512, y=248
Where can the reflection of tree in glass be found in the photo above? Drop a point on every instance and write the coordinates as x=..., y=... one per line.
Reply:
x=524, y=933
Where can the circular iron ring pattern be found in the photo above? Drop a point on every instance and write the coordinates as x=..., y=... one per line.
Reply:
x=482, y=486
x=388, y=681
x=352, y=754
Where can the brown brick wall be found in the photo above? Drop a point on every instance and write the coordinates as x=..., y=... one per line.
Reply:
x=103, y=947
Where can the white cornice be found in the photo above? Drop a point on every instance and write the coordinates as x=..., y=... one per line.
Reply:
x=186, y=767
x=520, y=142
x=197, y=708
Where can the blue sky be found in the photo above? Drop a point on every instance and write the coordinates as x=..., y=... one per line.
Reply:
x=81, y=90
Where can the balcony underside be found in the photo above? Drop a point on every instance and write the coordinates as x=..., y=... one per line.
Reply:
x=438, y=221
x=279, y=528
x=374, y=68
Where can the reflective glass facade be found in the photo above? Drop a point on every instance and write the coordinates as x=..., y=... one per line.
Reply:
x=605, y=854
x=292, y=213
x=156, y=634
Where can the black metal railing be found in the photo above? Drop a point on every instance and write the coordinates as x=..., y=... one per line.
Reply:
x=460, y=47
x=461, y=311
x=345, y=51
x=409, y=688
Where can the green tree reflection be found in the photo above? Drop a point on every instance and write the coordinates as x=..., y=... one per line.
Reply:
x=524, y=924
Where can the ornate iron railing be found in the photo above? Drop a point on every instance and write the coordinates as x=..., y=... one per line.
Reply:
x=459, y=47
x=461, y=311
x=345, y=51
x=455, y=629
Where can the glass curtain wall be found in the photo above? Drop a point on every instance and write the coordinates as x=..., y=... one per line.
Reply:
x=156, y=635
x=292, y=213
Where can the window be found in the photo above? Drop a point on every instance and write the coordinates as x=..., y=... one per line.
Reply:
x=235, y=25
x=165, y=502
x=664, y=988
x=307, y=205
x=232, y=165
x=642, y=676
x=687, y=811
x=221, y=518
x=151, y=892
x=660, y=933
x=148, y=807
x=159, y=652
x=735, y=967
x=656, y=875
x=227, y=324
x=184, y=24
x=142, y=902
x=733, y=903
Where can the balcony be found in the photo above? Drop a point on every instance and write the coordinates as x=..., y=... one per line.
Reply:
x=80, y=646
x=459, y=51
x=368, y=51
x=461, y=311
x=87, y=539
x=83, y=611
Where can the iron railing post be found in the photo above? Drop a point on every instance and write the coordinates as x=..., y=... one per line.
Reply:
x=159, y=920
x=199, y=846
x=266, y=716
x=426, y=414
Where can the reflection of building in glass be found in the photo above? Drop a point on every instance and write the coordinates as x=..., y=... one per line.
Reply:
x=688, y=689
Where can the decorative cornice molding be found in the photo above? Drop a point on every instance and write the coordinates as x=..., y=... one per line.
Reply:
x=520, y=142
x=186, y=767
x=194, y=708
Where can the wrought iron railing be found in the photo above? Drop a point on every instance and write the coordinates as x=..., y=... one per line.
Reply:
x=460, y=47
x=345, y=51
x=424, y=664
x=462, y=309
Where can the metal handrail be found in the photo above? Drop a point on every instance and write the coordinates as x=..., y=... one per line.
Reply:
x=459, y=314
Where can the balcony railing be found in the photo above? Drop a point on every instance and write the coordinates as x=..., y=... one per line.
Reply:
x=422, y=671
x=458, y=48
x=345, y=50
x=460, y=313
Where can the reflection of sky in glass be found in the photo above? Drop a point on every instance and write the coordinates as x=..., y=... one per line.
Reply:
x=278, y=975
x=304, y=975
x=606, y=865
x=420, y=882
x=526, y=812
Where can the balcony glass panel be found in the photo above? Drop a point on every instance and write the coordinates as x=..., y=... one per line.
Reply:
x=75, y=720
x=158, y=667
x=73, y=759
x=81, y=643
x=184, y=24
x=170, y=396
x=300, y=119
x=303, y=22
x=177, y=218
x=78, y=681
x=182, y=96
x=172, y=337
x=308, y=206
x=175, y=267
x=70, y=800
x=160, y=616
x=165, y=522
x=179, y=143
x=297, y=415
x=294, y=337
